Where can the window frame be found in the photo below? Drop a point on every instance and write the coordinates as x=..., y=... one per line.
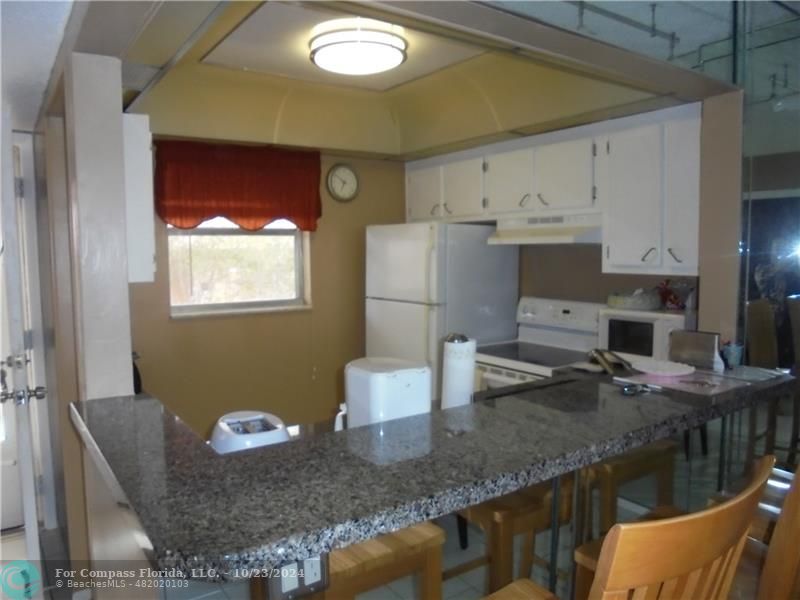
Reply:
x=302, y=300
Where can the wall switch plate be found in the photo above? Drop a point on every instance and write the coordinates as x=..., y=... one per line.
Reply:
x=299, y=579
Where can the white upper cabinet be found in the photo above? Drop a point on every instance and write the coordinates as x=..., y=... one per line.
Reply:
x=508, y=181
x=424, y=193
x=642, y=173
x=462, y=188
x=632, y=200
x=564, y=175
x=681, y=196
x=139, y=198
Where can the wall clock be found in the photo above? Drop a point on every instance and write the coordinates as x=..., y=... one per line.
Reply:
x=342, y=182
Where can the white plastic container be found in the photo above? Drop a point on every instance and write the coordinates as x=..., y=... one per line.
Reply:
x=246, y=429
x=382, y=389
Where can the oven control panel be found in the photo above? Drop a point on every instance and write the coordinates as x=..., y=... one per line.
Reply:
x=564, y=314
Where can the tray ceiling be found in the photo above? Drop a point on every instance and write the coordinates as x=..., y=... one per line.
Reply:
x=275, y=39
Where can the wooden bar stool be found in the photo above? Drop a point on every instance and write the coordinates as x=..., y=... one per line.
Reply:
x=416, y=550
x=657, y=458
x=527, y=511
x=691, y=556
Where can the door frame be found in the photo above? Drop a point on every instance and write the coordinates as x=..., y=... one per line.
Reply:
x=32, y=305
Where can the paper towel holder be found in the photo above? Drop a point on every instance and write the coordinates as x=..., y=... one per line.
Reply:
x=456, y=338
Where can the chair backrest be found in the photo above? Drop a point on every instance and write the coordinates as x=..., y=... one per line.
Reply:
x=692, y=556
x=762, y=338
x=782, y=566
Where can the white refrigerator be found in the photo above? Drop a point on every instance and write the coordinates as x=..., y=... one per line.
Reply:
x=425, y=280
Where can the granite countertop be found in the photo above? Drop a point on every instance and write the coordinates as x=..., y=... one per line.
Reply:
x=267, y=506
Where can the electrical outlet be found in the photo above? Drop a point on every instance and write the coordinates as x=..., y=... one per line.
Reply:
x=299, y=579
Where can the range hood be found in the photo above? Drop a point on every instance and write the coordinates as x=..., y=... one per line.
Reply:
x=555, y=229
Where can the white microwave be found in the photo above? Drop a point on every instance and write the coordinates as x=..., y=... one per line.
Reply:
x=636, y=333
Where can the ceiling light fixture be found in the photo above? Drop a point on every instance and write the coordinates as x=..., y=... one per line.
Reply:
x=357, y=46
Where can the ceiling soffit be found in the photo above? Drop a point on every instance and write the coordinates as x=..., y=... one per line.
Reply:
x=490, y=96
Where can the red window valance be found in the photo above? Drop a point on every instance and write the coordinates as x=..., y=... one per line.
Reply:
x=250, y=185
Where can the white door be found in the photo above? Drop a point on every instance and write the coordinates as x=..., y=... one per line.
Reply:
x=508, y=182
x=681, y=195
x=403, y=262
x=14, y=356
x=424, y=193
x=564, y=176
x=405, y=330
x=632, y=215
x=462, y=188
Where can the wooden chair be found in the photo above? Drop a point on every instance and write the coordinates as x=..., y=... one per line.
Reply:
x=416, y=550
x=657, y=458
x=762, y=351
x=690, y=556
x=794, y=439
x=774, y=566
x=525, y=512
x=762, y=338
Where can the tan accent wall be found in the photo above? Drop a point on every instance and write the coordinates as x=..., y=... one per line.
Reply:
x=720, y=213
x=573, y=273
x=497, y=92
x=494, y=94
x=289, y=363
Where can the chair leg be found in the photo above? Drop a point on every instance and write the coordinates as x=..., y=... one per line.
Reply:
x=752, y=424
x=794, y=440
x=526, y=557
x=258, y=588
x=686, y=443
x=431, y=575
x=463, y=532
x=608, y=505
x=583, y=582
x=704, y=439
x=772, y=426
x=501, y=566
x=665, y=481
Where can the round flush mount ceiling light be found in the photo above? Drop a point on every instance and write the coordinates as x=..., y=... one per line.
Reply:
x=357, y=46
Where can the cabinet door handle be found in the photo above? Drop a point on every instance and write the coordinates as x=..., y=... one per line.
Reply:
x=447, y=208
x=672, y=254
x=542, y=200
x=524, y=200
x=646, y=254
x=433, y=210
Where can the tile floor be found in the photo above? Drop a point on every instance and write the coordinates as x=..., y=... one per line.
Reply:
x=12, y=545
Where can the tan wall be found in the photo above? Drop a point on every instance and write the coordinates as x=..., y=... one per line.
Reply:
x=289, y=363
x=494, y=94
x=573, y=273
x=720, y=213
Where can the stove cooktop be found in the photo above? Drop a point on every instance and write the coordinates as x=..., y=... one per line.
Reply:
x=535, y=354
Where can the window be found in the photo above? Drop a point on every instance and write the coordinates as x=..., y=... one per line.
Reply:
x=220, y=268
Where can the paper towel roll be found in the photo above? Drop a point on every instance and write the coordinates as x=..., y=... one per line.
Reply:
x=458, y=374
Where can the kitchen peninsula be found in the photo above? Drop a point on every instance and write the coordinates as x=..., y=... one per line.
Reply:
x=265, y=507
